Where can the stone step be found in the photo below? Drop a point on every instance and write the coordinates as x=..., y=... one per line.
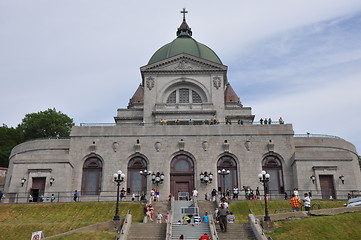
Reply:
x=189, y=231
x=236, y=231
x=147, y=231
x=206, y=206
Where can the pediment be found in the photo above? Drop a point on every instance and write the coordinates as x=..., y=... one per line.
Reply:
x=183, y=62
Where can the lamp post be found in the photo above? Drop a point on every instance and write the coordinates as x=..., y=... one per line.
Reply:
x=313, y=179
x=264, y=178
x=51, y=181
x=342, y=178
x=157, y=178
x=206, y=177
x=118, y=178
x=223, y=173
x=23, y=180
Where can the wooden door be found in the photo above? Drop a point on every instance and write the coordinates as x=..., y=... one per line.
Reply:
x=327, y=186
x=181, y=175
x=38, y=188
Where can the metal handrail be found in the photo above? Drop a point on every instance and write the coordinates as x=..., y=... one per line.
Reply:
x=169, y=233
x=120, y=228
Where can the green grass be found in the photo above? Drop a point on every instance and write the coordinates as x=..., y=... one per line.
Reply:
x=91, y=235
x=241, y=209
x=18, y=221
x=344, y=226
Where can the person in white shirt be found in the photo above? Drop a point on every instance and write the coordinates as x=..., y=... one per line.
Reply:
x=307, y=202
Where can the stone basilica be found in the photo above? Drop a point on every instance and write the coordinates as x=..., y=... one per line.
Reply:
x=184, y=122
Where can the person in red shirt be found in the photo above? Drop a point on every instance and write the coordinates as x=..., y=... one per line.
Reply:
x=204, y=237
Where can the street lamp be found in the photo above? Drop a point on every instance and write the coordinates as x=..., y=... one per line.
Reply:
x=157, y=178
x=342, y=178
x=223, y=173
x=206, y=177
x=313, y=178
x=51, y=181
x=145, y=173
x=264, y=178
x=118, y=178
x=23, y=180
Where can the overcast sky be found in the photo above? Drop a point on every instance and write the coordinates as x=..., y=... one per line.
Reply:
x=297, y=59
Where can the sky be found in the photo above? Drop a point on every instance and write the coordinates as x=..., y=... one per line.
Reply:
x=299, y=60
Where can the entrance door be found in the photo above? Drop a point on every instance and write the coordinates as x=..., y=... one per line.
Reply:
x=181, y=175
x=38, y=188
x=327, y=187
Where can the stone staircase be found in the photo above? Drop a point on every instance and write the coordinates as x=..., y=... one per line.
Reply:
x=206, y=206
x=162, y=207
x=149, y=230
x=190, y=232
x=236, y=231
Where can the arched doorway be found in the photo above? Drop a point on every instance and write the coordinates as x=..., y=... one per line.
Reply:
x=228, y=163
x=181, y=175
x=92, y=176
x=273, y=165
x=136, y=183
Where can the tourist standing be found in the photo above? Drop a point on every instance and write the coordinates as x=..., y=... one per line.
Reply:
x=52, y=198
x=75, y=196
x=31, y=199
x=295, y=203
x=195, y=194
x=235, y=193
x=159, y=217
x=122, y=194
x=307, y=202
x=222, y=213
x=230, y=218
x=214, y=194
x=205, y=217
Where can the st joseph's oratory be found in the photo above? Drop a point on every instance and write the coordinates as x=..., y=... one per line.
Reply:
x=184, y=123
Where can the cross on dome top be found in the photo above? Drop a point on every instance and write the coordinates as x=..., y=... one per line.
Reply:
x=184, y=29
x=184, y=14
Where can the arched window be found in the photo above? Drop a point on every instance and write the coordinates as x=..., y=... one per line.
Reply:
x=92, y=176
x=273, y=166
x=136, y=183
x=230, y=180
x=184, y=95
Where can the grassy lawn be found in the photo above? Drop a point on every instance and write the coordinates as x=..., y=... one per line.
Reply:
x=241, y=209
x=344, y=226
x=18, y=221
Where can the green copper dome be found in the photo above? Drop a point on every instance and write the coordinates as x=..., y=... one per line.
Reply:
x=184, y=43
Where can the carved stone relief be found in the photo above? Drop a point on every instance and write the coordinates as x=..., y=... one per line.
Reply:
x=157, y=146
x=150, y=83
x=183, y=65
x=205, y=145
x=217, y=82
x=115, y=146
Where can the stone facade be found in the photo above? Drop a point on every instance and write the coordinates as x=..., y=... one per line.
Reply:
x=184, y=120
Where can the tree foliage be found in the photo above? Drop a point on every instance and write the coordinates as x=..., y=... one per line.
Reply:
x=9, y=138
x=46, y=124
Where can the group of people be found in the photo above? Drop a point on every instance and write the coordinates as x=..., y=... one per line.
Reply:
x=239, y=122
x=269, y=121
x=234, y=194
x=154, y=194
x=296, y=202
x=149, y=213
x=42, y=198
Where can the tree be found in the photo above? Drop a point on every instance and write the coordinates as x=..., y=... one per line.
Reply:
x=46, y=124
x=9, y=138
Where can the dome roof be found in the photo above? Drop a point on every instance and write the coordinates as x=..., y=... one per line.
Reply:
x=184, y=43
